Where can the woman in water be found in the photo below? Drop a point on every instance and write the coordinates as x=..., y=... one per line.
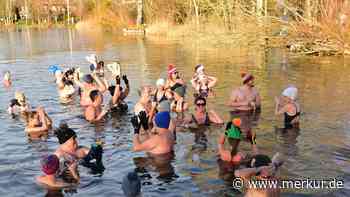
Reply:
x=66, y=85
x=202, y=83
x=288, y=106
x=38, y=123
x=174, y=80
x=19, y=105
x=201, y=116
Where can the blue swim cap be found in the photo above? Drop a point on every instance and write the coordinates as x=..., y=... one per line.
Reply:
x=54, y=68
x=162, y=119
x=131, y=185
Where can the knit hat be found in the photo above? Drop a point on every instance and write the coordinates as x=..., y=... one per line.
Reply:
x=64, y=133
x=162, y=120
x=50, y=164
x=171, y=69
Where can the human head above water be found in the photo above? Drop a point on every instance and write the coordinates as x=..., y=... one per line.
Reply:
x=247, y=79
x=162, y=120
x=65, y=134
x=291, y=92
x=179, y=92
x=96, y=97
x=88, y=79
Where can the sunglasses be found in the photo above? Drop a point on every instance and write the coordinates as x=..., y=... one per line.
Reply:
x=200, y=104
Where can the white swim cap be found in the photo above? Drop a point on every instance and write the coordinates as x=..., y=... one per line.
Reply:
x=291, y=92
x=160, y=82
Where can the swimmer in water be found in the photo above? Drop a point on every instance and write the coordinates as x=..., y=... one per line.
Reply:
x=161, y=94
x=246, y=97
x=50, y=166
x=70, y=154
x=260, y=167
x=144, y=106
x=179, y=105
x=201, y=116
x=288, y=106
x=119, y=94
x=174, y=80
x=7, y=81
x=233, y=135
x=161, y=142
x=19, y=105
x=202, y=83
x=89, y=85
x=66, y=84
x=94, y=112
x=38, y=123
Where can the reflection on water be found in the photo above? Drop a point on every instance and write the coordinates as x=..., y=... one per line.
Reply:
x=319, y=150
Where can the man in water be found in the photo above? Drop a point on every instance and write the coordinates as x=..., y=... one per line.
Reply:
x=70, y=154
x=38, y=123
x=87, y=86
x=50, y=166
x=246, y=97
x=66, y=84
x=94, y=111
x=246, y=105
x=161, y=142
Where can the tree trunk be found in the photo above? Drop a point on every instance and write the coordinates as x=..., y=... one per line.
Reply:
x=259, y=7
x=308, y=10
x=68, y=11
x=196, y=12
x=139, y=20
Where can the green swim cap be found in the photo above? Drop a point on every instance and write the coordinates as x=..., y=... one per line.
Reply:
x=233, y=132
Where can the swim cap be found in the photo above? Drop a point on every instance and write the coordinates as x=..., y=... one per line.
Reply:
x=162, y=120
x=64, y=133
x=233, y=132
x=246, y=77
x=88, y=78
x=171, y=69
x=164, y=106
x=180, y=91
x=131, y=185
x=290, y=92
x=50, y=164
x=259, y=160
x=7, y=75
x=160, y=82
x=21, y=98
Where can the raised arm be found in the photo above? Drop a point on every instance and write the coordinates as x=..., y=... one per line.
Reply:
x=215, y=118
x=212, y=81
x=101, y=85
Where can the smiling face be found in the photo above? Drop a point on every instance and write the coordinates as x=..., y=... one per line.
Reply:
x=200, y=106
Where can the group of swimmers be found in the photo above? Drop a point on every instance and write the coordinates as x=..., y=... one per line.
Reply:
x=158, y=115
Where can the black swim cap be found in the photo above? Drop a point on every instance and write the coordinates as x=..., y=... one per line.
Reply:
x=259, y=160
x=64, y=133
x=14, y=102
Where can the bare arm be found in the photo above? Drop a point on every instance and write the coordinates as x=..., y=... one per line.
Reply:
x=44, y=124
x=278, y=108
x=101, y=85
x=225, y=155
x=116, y=94
x=147, y=145
x=212, y=81
x=215, y=118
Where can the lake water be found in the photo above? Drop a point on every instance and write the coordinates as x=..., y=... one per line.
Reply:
x=320, y=150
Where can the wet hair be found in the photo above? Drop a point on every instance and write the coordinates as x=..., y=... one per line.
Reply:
x=259, y=160
x=70, y=71
x=66, y=81
x=199, y=98
x=94, y=94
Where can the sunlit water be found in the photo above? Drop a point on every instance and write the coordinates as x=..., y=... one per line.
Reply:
x=320, y=150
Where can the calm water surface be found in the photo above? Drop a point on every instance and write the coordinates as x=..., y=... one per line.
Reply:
x=320, y=150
